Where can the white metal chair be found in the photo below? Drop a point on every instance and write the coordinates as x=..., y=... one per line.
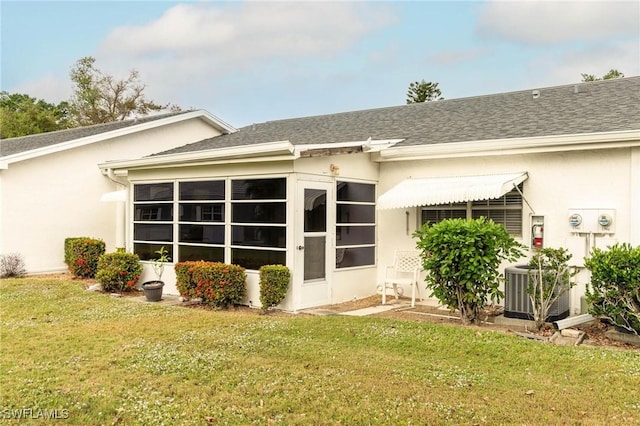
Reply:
x=405, y=270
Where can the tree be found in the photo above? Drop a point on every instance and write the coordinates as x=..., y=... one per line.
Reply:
x=422, y=91
x=102, y=98
x=462, y=258
x=613, y=73
x=22, y=115
x=549, y=278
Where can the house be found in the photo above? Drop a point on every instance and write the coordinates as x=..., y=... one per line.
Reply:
x=334, y=196
x=50, y=187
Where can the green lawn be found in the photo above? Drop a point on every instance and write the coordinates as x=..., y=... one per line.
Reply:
x=101, y=360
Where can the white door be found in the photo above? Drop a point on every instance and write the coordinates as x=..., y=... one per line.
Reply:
x=313, y=255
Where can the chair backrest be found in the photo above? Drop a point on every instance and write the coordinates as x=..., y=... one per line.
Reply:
x=407, y=260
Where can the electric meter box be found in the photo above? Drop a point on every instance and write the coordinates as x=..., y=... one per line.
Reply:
x=592, y=221
x=607, y=221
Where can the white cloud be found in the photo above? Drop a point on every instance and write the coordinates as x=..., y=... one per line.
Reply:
x=546, y=22
x=234, y=35
x=198, y=45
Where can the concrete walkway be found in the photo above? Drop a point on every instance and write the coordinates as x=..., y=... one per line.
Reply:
x=167, y=300
x=374, y=310
x=362, y=312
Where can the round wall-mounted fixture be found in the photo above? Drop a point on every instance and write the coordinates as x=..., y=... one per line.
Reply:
x=605, y=220
x=575, y=220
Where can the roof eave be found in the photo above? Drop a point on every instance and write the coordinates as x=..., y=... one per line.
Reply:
x=74, y=143
x=527, y=145
x=280, y=150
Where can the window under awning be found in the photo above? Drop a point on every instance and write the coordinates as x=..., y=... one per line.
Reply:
x=443, y=190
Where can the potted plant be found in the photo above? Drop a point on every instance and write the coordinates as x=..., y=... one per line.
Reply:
x=153, y=289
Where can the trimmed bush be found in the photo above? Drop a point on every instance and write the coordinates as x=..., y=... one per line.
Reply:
x=119, y=271
x=220, y=285
x=12, y=265
x=274, y=283
x=67, y=249
x=82, y=255
x=463, y=259
x=614, y=292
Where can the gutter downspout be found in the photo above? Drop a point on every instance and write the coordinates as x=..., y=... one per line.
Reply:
x=572, y=321
x=121, y=211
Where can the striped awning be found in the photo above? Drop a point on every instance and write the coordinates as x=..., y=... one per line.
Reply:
x=443, y=190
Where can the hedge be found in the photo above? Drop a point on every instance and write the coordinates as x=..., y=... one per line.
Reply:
x=274, y=283
x=219, y=285
x=81, y=254
x=119, y=271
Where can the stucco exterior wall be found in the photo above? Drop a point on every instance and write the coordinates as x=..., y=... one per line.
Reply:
x=55, y=196
x=557, y=182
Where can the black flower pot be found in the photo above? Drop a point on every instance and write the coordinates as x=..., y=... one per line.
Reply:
x=153, y=290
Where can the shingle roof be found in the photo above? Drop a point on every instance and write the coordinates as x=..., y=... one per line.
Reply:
x=41, y=140
x=600, y=106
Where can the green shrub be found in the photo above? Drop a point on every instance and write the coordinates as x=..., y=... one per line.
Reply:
x=274, y=283
x=462, y=258
x=82, y=254
x=119, y=271
x=614, y=291
x=68, y=251
x=218, y=284
x=184, y=277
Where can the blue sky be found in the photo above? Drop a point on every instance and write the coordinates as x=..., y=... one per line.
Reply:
x=250, y=62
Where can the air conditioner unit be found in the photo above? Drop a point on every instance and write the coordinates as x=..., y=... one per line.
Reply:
x=517, y=303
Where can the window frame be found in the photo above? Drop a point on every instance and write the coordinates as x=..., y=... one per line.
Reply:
x=190, y=200
x=150, y=244
x=341, y=250
x=227, y=203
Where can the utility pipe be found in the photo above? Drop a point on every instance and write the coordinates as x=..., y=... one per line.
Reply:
x=572, y=321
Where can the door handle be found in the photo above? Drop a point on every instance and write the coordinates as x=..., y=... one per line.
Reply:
x=300, y=247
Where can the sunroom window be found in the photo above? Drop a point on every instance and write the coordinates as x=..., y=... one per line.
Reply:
x=193, y=220
x=355, y=224
x=152, y=219
x=201, y=222
x=258, y=222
